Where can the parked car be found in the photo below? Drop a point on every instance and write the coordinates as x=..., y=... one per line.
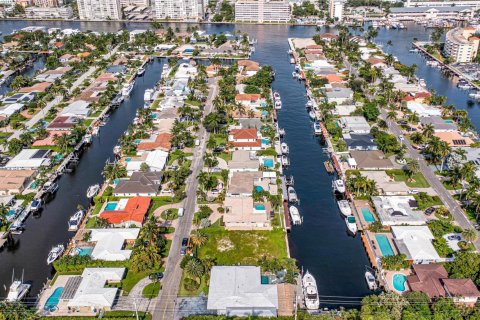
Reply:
x=430, y=210
x=454, y=237
x=156, y=276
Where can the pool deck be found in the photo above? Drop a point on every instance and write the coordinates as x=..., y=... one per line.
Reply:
x=376, y=247
x=359, y=204
x=388, y=274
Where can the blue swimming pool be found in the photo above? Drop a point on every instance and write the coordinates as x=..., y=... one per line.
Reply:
x=128, y=159
x=111, y=206
x=399, y=281
x=268, y=163
x=84, y=251
x=154, y=115
x=384, y=245
x=265, y=141
x=259, y=206
x=368, y=215
x=448, y=121
x=258, y=188
x=52, y=301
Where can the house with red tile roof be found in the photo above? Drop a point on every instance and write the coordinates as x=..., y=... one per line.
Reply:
x=248, y=99
x=248, y=68
x=37, y=87
x=131, y=213
x=334, y=78
x=63, y=123
x=65, y=58
x=161, y=141
x=377, y=62
x=245, y=139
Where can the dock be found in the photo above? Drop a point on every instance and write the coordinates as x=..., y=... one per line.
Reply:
x=286, y=213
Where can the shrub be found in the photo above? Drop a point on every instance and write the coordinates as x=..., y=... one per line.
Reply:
x=191, y=284
x=394, y=262
x=185, y=260
x=441, y=245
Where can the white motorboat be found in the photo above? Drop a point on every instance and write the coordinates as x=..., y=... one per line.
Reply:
x=351, y=224
x=310, y=291
x=344, y=207
x=309, y=104
x=339, y=186
x=96, y=131
x=289, y=181
x=284, y=148
x=285, y=161
x=148, y=95
x=292, y=60
x=292, y=194
x=276, y=95
x=296, y=219
x=281, y=132
x=117, y=150
x=92, y=191
x=36, y=205
x=294, y=74
x=371, y=281
x=50, y=187
x=18, y=289
x=127, y=89
x=317, y=127
x=312, y=115
x=278, y=104
x=141, y=71
x=75, y=220
x=55, y=253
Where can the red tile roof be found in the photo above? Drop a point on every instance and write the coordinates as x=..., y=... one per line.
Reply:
x=247, y=97
x=249, y=65
x=314, y=46
x=161, y=141
x=333, y=78
x=375, y=61
x=37, y=87
x=135, y=210
x=419, y=95
x=461, y=287
x=427, y=279
x=243, y=134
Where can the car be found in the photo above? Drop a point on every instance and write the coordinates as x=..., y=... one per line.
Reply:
x=430, y=210
x=413, y=191
x=403, y=122
x=401, y=137
x=183, y=251
x=156, y=276
x=181, y=212
x=454, y=237
x=184, y=242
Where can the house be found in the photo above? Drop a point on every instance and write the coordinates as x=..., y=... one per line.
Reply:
x=156, y=161
x=88, y=292
x=377, y=62
x=248, y=68
x=339, y=95
x=454, y=139
x=29, y=159
x=116, y=69
x=398, y=210
x=242, y=214
x=245, y=139
x=463, y=291
x=37, y=87
x=439, y=124
x=10, y=109
x=243, y=160
x=360, y=142
x=334, y=78
x=416, y=243
x=15, y=181
x=356, y=124
x=423, y=110
x=159, y=141
x=145, y=184
x=248, y=100
x=65, y=58
x=50, y=139
x=63, y=123
x=369, y=160
x=110, y=243
x=79, y=109
x=52, y=75
x=241, y=184
x=20, y=98
x=238, y=291
x=128, y=212
x=327, y=37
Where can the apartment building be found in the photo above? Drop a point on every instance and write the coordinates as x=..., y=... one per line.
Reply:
x=461, y=45
x=99, y=9
x=179, y=9
x=335, y=9
x=136, y=3
x=262, y=11
x=444, y=3
x=49, y=12
x=48, y=3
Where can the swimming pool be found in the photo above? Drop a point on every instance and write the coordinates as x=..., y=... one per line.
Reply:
x=128, y=159
x=448, y=121
x=368, y=215
x=52, y=301
x=265, y=141
x=111, y=206
x=399, y=281
x=84, y=251
x=258, y=188
x=384, y=245
x=259, y=206
x=268, y=163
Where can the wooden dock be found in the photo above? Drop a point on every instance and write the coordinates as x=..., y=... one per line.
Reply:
x=286, y=213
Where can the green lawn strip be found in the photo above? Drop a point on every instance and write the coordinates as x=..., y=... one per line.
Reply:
x=87, y=122
x=158, y=202
x=227, y=156
x=424, y=200
x=449, y=186
x=172, y=214
x=193, y=103
x=185, y=293
x=131, y=279
x=151, y=290
x=220, y=139
x=418, y=180
x=176, y=154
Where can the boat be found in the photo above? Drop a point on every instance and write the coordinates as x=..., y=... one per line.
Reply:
x=278, y=104
x=309, y=104
x=371, y=281
x=329, y=167
x=55, y=253
x=36, y=205
x=317, y=127
x=339, y=186
x=17, y=227
x=127, y=89
x=117, y=150
x=92, y=191
x=294, y=74
x=87, y=139
x=284, y=148
x=75, y=220
x=310, y=291
x=148, y=95
x=292, y=194
x=118, y=100
x=289, y=181
x=276, y=95
x=281, y=132
x=296, y=219
x=141, y=71
x=312, y=114
x=344, y=207
x=292, y=60
x=18, y=289
x=285, y=161
x=50, y=187
x=96, y=131
x=351, y=224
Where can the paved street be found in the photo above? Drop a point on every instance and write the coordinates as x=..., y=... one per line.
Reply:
x=165, y=307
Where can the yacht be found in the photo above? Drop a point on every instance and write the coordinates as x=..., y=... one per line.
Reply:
x=294, y=74
x=289, y=181
x=339, y=186
x=141, y=71
x=148, y=95
x=309, y=104
x=310, y=291
x=296, y=219
x=17, y=227
x=285, y=161
x=50, y=187
x=317, y=128
x=284, y=148
x=18, y=290
x=292, y=195
x=75, y=220
x=312, y=114
x=36, y=205
x=278, y=104
x=344, y=207
x=92, y=191
x=55, y=253
x=281, y=132
x=96, y=131
x=276, y=95
x=127, y=89
x=351, y=224
x=371, y=281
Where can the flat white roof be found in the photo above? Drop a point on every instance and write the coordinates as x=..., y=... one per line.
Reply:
x=156, y=160
x=109, y=243
x=397, y=210
x=422, y=109
x=416, y=243
x=77, y=108
x=29, y=158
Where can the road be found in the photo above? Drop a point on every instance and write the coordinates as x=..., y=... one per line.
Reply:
x=164, y=307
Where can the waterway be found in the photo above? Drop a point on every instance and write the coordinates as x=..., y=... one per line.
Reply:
x=320, y=245
x=38, y=64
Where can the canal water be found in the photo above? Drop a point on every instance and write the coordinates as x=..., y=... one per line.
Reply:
x=37, y=65
x=321, y=244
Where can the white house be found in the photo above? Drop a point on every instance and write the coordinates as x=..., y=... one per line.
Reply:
x=156, y=161
x=416, y=243
x=29, y=159
x=79, y=109
x=423, y=110
x=109, y=243
x=355, y=124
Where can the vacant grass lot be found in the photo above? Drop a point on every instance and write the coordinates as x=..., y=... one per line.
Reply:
x=417, y=181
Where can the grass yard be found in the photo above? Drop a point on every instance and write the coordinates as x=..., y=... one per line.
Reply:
x=158, y=202
x=131, y=279
x=151, y=290
x=418, y=180
x=227, y=156
x=220, y=139
x=424, y=200
x=185, y=293
x=170, y=214
x=176, y=154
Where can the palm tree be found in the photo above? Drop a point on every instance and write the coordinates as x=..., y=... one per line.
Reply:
x=198, y=238
x=428, y=130
x=113, y=171
x=417, y=137
x=470, y=235
x=392, y=115
x=194, y=268
x=412, y=168
x=3, y=214
x=62, y=142
x=468, y=171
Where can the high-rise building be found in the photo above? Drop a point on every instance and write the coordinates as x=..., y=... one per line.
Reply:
x=262, y=11
x=99, y=9
x=461, y=45
x=335, y=8
x=137, y=3
x=179, y=9
x=48, y=3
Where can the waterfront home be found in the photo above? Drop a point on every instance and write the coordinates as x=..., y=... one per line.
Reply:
x=327, y=37
x=398, y=210
x=245, y=139
x=30, y=159
x=243, y=160
x=249, y=100
x=377, y=62
x=117, y=69
x=439, y=124
x=63, y=123
x=239, y=291
x=344, y=109
x=66, y=58
x=79, y=108
x=339, y=95
x=110, y=243
x=49, y=140
x=369, y=160
x=423, y=110
x=52, y=75
x=432, y=279
x=471, y=154
x=212, y=70
x=156, y=160
x=385, y=184
x=334, y=78
x=416, y=243
x=37, y=87
x=161, y=141
x=408, y=88
x=248, y=68
x=10, y=109
x=20, y=98
x=356, y=124
x=241, y=213
x=185, y=71
x=15, y=181
x=454, y=139
x=360, y=142
x=127, y=212
x=241, y=184
x=145, y=184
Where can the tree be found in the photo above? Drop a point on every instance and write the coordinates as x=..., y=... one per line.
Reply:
x=194, y=268
x=14, y=146
x=63, y=142
x=144, y=167
x=19, y=82
x=16, y=311
x=198, y=238
x=3, y=214
x=428, y=131
x=370, y=111
x=470, y=235
x=412, y=168
x=465, y=265
x=113, y=171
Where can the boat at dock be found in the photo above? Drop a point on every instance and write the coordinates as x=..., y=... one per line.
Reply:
x=284, y=148
x=351, y=224
x=289, y=181
x=281, y=132
x=317, y=128
x=294, y=75
x=339, y=186
x=312, y=115
x=92, y=191
x=55, y=253
x=141, y=71
x=344, y=207
x=276, y=95
x=36, y=205
x=278, y=104
x=295, y=215
x=18, y=289
x=371, y=281
x=329, y=167
x=310, y=291
x=148, y=95
x=17, y=227
x=50, y=187
x=292, y=194
x=127, y=89
x=285, y=161
x=75, y=220
x=309, y=104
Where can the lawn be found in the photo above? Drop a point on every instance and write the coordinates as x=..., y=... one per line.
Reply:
x=418, y=180
x=220, y=139
x=151, y=290
x=424, y=200
x=185, y=293
x=227, y=156
x=176, y=154
x=158, y=202
x=132, y=279
x=172, y=214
